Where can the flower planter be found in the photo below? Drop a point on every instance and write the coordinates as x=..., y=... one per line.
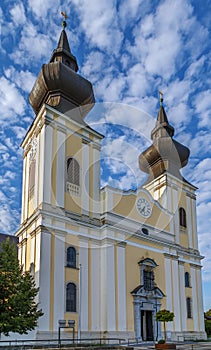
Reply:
x=165, y=346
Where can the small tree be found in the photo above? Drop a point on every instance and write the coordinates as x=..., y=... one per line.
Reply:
x=208, y=322
x=18, y=310
x=164, y=316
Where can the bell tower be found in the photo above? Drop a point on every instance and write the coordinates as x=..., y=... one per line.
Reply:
x=61, y=182
x=60, y=149
x=162, y=162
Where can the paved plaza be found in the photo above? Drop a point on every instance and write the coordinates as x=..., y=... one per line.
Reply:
x=180, y=346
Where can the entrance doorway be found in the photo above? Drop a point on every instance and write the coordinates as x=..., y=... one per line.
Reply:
x=146, y=325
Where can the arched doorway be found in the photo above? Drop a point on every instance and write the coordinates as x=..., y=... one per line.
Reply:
x=147, y=302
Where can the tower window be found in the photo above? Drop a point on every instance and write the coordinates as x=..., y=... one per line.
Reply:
x=189, y=308
x=71, y=297
x=73, y=171
x=182, y=217
x=71, y=257
x=72, y=176
x=187, y=279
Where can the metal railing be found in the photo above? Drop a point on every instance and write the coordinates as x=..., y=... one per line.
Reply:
x=59, y=343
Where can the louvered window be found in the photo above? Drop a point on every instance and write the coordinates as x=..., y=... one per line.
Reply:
x=73, y=171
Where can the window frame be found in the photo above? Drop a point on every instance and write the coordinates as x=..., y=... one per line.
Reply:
x=68, y=263
x=187, y=279
x=71, y=307
x=73, y=175
x=182, y=218
x=189, y=307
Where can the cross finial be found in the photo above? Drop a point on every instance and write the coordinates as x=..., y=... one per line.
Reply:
x=64, y=23
x=161, y=97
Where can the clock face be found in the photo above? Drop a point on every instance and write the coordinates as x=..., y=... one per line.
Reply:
x=144, y=207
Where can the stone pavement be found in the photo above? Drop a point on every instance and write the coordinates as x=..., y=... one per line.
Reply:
x=180, y=346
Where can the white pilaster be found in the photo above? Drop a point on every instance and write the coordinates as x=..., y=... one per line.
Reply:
x=200, y=300
x=32, y=245
x=41, y=164
x=194, y=298
x=95, y=286
x=176, y=215
x=195, y=235
x=182, y=296
x=85, y=178
x=59, y=277
x=23, y=262
x=83, y=256
x=36, y=184
x=26, y=196
x=60, y=169
x=24, y=188
x=111, y=316
x=121, y=282
x=168, y=293
x=189, y=221
x=37, y=258
x=45, y=164
x=175, y=273
x=96, y=182
x=44, y=277
x=103, y=290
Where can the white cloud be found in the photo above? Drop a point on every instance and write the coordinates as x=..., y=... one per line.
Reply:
x=23, y=79
x=32, y=46
x=18, y=14
x=128, y=10
x=19, y=132
x=99, y=22
x=40, y=8
x=8, y=218
x=203, y=108
x=12, y=102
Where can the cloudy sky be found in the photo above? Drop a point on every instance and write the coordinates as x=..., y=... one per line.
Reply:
x=128, y=49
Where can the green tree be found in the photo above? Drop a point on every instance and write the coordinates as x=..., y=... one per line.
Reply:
x=19, y=312
x=208, y=313
x=208, y=322
x=164, y=316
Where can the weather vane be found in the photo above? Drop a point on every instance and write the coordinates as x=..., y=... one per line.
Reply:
x=161, y=97
x=64, y=23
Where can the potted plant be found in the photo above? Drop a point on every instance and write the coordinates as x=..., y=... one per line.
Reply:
x=164, y=316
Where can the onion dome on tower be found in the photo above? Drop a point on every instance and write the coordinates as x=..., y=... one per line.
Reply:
x=165, y=154
x=59, y=85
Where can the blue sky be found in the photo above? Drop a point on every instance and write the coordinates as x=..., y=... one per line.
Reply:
x=129, y=50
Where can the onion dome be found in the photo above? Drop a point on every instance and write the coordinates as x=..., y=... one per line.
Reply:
x=165, y=154
x=59, y=85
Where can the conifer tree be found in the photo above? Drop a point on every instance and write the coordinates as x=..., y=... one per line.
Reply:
x=19, y=311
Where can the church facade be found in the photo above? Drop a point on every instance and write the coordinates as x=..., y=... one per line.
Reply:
x=105, y=258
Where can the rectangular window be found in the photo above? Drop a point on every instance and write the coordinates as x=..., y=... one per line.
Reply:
x=148, y=280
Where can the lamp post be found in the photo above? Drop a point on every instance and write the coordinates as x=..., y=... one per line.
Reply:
x=62, y=324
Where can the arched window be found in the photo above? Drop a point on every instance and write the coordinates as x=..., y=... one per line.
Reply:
x=182, y=217
x=187, y=279
x=71, y=257
x=71, y=297
x=73, y=171
x=189, y=308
